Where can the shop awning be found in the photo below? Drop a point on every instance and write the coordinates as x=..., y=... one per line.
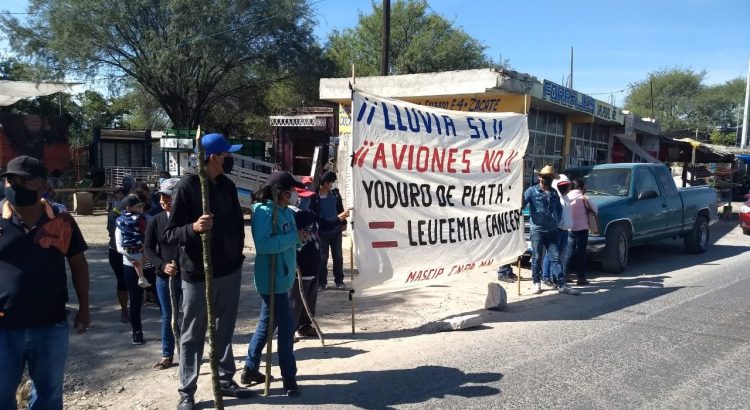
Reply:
x=13, y=91
x=632, y=145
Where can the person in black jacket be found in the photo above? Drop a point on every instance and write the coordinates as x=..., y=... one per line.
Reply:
x=328, y=205
x=163, y=256
x=186, y=223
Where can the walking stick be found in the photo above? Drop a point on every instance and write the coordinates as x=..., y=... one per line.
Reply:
x=208, y=271
x=518, y=278
x=307, y=308
x=175, y=312
x=271, y=298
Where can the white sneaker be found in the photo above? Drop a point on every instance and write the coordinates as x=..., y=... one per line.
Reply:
x=536, y=288
x=142, y=282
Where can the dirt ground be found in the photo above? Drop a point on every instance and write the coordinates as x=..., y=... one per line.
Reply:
x=105, y=371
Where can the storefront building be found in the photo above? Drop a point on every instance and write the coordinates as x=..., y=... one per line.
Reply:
x=566, y=128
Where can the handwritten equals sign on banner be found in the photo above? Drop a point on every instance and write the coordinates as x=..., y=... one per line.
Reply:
x=383, y=225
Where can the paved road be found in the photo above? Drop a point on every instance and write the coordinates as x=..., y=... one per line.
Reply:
x=672, y=332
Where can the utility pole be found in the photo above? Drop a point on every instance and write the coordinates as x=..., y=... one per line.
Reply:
x=386, y=37
x=653, y=116
x=747, y=103
x=571, y=69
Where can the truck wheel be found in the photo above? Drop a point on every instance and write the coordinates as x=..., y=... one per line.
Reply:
x=616, y=248
x=697, y=240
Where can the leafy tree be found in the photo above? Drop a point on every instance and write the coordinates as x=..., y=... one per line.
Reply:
x=420, y=43
x=721, y=138
x=190, y=55
x=682, y=101
x=674, y=97
x=721, y=105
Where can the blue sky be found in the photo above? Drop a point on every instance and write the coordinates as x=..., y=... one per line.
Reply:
x=615, y=42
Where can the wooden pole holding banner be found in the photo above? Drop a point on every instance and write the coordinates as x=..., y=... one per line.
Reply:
x=518, y=276
x=208, y=271
x=271, y=297
x=351, y=225
x=351, y=271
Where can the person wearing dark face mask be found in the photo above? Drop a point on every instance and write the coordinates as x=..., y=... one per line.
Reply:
x=35, y=241
x=545, y=212
x=186, y=223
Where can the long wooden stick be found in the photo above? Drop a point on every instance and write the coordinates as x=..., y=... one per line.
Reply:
x=518, y=278
x=271, y=298
x=174, y=302
x=208, y=271
x=351, y=270
x=307, y=307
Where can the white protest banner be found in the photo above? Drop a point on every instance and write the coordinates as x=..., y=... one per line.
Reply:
x=437, y=193
x=344, y=156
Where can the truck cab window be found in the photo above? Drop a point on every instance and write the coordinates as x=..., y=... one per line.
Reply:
x=645, y=181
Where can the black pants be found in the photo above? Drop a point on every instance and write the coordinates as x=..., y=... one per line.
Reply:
x=577, y=244
x=332, y=241
x=135, y=293
x=300, y=319
x=115, y=261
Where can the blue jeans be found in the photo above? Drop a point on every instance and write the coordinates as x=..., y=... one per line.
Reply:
x=577, y=243
x=135, y=294
x=284, y=321
x=165, y=305
x=44, y=349
x=541, y=242
x=562, y=245
x=334, y=242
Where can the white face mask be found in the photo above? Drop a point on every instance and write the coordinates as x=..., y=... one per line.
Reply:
x=333, y=186
x=294, y=198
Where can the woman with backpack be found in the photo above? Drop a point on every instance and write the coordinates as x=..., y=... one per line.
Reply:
x=328, y=205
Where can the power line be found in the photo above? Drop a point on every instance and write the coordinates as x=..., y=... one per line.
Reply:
x=610, y=92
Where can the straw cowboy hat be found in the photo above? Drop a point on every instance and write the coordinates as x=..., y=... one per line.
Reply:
x=548, y=170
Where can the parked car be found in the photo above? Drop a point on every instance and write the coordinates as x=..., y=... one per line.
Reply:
x=640, y=204
x=745, y=216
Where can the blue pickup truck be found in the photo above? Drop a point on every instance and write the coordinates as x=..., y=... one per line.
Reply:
x=639, y=204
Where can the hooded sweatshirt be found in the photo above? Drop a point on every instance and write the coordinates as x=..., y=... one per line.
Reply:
x=282, y=244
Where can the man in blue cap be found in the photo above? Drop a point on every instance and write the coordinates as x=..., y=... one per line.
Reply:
x=186, y=223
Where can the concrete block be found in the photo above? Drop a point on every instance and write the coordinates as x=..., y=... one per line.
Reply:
x=497, y=298
x=464, y=322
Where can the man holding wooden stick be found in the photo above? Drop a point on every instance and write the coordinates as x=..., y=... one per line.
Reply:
x=186, y=222
x=276, y=238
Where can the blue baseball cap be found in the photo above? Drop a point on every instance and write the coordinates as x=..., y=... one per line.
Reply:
x=216, y=144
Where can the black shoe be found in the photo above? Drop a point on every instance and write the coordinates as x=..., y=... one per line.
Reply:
x=186, y=403
x=512, y=276
x=549, y=283
x=582, y=282
x=251, y=377
x=292, y=390
x=341, y=286
x=321, y=288
x=137, y=338
x=505, y=279
x=308, y=331
x=235, y=390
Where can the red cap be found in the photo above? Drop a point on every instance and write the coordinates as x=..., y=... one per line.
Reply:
x=303, y=193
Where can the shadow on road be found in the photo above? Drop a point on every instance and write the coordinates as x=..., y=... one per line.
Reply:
x=643, y=280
